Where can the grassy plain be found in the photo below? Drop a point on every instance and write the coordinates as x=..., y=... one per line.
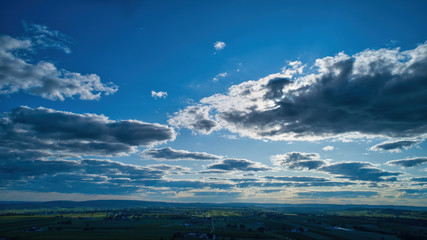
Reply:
x=228, y=223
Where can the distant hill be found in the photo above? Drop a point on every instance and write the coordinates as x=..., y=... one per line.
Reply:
x=121, y=204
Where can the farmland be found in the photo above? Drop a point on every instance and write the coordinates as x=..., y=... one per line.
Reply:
x=226, y=222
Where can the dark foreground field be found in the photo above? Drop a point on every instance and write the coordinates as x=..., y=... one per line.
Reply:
x=142, y=220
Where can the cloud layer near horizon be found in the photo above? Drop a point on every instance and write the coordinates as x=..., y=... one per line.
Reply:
x=372, y=93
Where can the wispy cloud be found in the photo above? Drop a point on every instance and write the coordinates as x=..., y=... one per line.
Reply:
x=43, y=37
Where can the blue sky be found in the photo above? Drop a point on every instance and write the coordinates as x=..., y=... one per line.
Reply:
x=225, y=101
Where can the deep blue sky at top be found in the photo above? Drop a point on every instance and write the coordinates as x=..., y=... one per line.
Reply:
x=168, y=46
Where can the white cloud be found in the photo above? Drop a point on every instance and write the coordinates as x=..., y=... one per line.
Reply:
x=328, y=148
x=44, y=78
x=219, y=75
x=159, y=94
x=218, y=45
x=292, y=68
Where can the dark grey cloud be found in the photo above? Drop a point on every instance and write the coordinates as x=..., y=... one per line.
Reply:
x=298, y=160
x=168, y=153
x=44, y=78
x=375, y=92
x=337, y=194
x=171, y=169
x=91, y=176
x=238, y=165
x=395, y=146
x=196, y=118
x=28, y=133
x=359, y=171
x=275, y=87
x=410, y=162
x=419, y=179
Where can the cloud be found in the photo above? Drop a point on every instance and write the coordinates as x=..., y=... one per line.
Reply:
x=238, y=165
x=172, y=154
x=196, y=118
x=158, y=94
x=419, y=179
x=297, y=179
x=219, y=75
x=43, y=37
x=359, y=171
x=298, y=160
x=213, y=196
x=42, y=132
x=328, y=148
x=420, y=193
x=85, y=176
x=211, y=171
x=183, y=184
x=218, y=45
x=95, y=176
x=172, y=169
x=395, y=146
x=371, y=93
x=296, y=182
x=410, y=162
x=44, y=78
x=337, y=194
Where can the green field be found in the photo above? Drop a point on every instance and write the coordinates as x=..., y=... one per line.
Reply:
x=225, y=223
